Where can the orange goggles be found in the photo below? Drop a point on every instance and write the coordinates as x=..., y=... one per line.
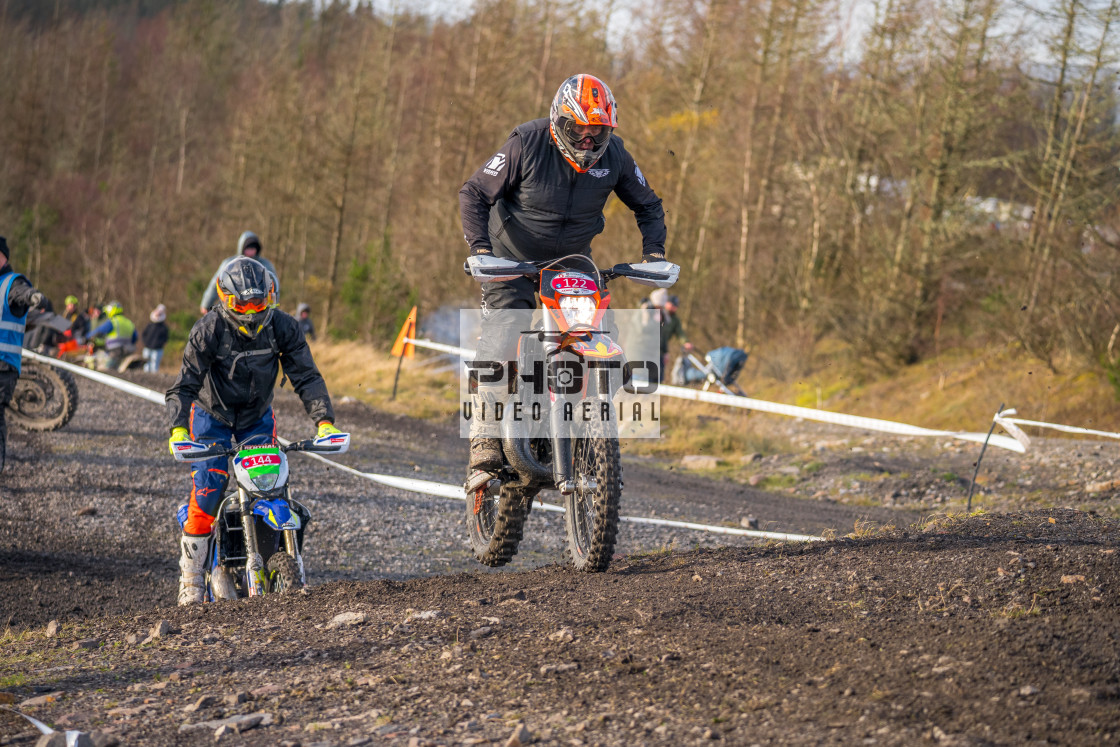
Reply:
x=252, y=306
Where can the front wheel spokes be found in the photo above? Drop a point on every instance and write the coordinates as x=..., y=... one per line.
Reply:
x=584, y=471
x=485, y=509
x=592, y=518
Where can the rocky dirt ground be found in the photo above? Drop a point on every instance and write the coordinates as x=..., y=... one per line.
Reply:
x=911, y=626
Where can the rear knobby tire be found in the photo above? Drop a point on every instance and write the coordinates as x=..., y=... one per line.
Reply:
x=283, y=573
x=496, y=522
x=591, y=515
x=44, y=399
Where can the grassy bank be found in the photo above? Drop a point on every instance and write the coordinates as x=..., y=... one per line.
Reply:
x=960, y=390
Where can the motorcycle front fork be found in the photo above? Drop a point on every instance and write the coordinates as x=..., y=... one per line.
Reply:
x=256, y=576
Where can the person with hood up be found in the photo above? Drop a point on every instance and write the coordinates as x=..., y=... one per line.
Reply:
x=17, y=297
x=154, y=338
x=248, y=245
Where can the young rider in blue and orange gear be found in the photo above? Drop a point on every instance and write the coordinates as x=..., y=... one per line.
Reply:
x=541, y=196
x=224, y=394
x=17, y=296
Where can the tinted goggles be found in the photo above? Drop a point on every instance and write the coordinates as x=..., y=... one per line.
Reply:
x=570, y=132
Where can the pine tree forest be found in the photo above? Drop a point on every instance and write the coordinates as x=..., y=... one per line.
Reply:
x=949, y=178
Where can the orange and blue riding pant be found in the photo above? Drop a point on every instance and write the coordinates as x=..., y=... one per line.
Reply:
x=208, y=478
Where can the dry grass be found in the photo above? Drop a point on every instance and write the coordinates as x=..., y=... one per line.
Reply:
x=956, y=390
x=959, y=389
x=357, y=370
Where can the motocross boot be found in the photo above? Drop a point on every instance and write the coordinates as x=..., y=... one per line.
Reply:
x=486, y=454
x=192, y=568
x=486, y=461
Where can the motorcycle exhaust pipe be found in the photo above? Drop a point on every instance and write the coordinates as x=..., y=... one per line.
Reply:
x=516, y=447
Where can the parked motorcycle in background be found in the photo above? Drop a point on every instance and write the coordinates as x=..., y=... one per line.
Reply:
x=45, y=397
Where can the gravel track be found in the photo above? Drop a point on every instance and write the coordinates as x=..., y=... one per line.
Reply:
x=91, y=505
x=1000, y=628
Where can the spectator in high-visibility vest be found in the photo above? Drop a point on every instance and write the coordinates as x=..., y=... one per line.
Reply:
x=79, y=320
x=119, y=333
x=17, y=296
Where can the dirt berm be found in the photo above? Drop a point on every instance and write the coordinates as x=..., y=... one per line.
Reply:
x=999, y=628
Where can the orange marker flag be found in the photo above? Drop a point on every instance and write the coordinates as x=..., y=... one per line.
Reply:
x=400, y=347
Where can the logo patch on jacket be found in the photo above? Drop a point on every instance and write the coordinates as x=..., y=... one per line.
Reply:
x=599, y=173
x=495, y=165
x=638, y=173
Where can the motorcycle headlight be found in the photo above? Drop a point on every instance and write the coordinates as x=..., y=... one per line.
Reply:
x=579, y=311
x=265, y=482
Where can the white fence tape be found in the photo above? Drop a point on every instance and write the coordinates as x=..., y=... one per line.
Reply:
x=102, y=378
x=411, y=484
x=456, y=492
x=1011, y=426
x=823, y=416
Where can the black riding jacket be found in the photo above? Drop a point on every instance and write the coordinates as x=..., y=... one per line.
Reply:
x=528, y=203
x=232, y=377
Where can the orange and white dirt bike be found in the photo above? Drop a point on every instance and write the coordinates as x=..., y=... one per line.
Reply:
x=582, y=462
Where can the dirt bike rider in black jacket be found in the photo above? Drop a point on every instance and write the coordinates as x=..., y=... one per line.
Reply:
x=17, y=297
x=224, y=394
x=541, y=196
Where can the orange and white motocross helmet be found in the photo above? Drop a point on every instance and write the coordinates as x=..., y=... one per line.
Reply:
x=582, y=100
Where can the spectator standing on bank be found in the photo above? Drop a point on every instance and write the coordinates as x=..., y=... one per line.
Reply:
x=79, y=320
x=303, y=314
x=154, y=338
x=671, y=326
x=248, y=245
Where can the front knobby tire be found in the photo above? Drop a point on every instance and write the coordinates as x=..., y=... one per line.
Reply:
x=283, y=573
x=591, y=513
x=45, y=398
x=496, y=522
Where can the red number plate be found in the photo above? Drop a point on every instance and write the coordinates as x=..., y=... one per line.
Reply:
x=264, y=460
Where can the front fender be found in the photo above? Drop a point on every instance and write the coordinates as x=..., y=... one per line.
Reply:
x=277, y=514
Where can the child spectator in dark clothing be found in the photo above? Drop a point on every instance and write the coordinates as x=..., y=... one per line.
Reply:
x=154, y=337
x=306, y=326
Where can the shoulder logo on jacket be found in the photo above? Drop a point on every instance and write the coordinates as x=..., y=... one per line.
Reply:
x=599, y=173
x=638, y=173
x=495, y=165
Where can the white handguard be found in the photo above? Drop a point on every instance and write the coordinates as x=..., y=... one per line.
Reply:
x=667, y=272
x=190, y=451
x=486, y=268
x=333, y=443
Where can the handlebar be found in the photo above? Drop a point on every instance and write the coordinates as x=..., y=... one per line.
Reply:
x=193, y=451
x=485, y=268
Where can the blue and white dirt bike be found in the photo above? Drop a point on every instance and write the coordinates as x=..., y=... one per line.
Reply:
x=256, y=544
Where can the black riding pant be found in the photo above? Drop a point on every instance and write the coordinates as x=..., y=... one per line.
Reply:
x=8, y=379
x=498, y=335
